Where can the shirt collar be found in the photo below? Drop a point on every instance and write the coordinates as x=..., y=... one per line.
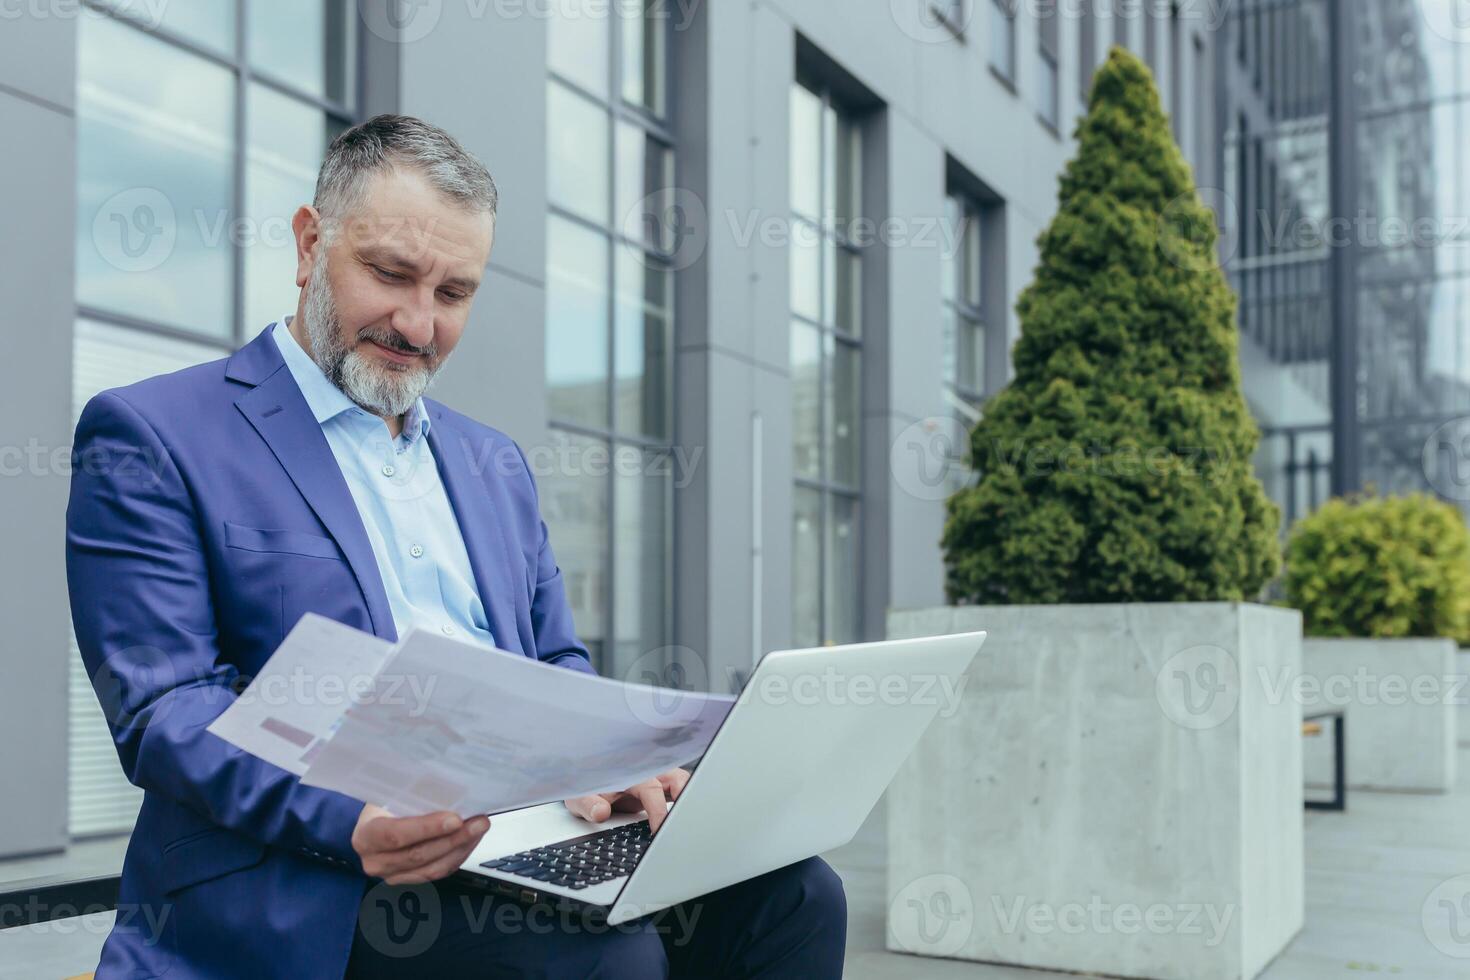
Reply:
x=325, y=399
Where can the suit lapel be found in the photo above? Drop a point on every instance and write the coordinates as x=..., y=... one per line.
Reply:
x=278, y=411
x=479, y=524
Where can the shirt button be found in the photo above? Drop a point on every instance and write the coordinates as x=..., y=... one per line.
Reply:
x=417, y=551
x=448, y=630
x=388, y=469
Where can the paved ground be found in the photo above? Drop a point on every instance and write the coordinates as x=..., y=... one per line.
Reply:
x=1370, y=872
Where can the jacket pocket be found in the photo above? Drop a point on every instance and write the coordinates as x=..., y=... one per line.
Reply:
x=280, y=541
x=208, y=854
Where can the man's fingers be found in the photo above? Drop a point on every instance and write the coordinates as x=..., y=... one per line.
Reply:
x=596, y=807
x=429, y=852
x=674, y=782
x=651, y=796
x=441, y=867
x=398, y=833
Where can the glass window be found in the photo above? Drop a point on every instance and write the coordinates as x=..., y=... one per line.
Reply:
x=1086, y=46
x=210, y=23
x=577, y=332
x=642, y=337
x=577, y=130
x=806, y=567
x=642, y=204
x=285, y=141
x=305, y=43
x=826, y=367
x=845, y=410
x=843, y=565
x=644, y=30
x=806, y=400
x=155, y=175
x=806, y=152
x=173, y=211
x=641, y=544
x=578, y=43
x=1047, y=94
x=99, y=797
x=1048, y=100
x=574, y=493
x=611, y=233
x=964, y=306
x=1151, y=36
x=1003, y=37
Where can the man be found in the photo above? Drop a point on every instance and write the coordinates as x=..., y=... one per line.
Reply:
x=212, y=507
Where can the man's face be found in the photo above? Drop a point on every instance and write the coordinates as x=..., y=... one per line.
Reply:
x=386, y=296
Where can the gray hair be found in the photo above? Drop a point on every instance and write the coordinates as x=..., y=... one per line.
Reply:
x=388, y=141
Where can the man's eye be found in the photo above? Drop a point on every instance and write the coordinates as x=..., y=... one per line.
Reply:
x=452, y=297
x=386, y=274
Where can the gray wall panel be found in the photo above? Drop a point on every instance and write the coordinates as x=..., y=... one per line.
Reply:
x=37, y=193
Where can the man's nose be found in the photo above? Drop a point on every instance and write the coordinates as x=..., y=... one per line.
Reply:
x=414, y=320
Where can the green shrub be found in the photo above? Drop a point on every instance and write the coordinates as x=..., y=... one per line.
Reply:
x=1381, y=567
x=1116, y=465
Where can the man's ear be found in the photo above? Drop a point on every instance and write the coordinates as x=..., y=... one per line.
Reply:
x=306, y=224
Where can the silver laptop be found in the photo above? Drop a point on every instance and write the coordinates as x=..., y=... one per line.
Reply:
x=799, y=762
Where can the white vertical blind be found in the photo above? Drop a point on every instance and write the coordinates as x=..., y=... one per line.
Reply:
x=100, y=800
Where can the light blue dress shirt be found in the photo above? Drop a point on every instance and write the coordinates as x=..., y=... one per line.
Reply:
x=395, y=484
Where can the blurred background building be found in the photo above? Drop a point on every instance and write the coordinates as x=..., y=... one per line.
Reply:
x=1346, y=202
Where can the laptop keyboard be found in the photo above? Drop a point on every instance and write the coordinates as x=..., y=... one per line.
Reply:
x=582, y=861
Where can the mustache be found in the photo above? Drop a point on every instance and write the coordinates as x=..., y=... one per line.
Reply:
x=394, y=341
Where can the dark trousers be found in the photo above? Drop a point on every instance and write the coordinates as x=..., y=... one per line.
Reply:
x=791, y=922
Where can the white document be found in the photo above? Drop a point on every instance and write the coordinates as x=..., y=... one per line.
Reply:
x=450, y=724
x=303, y=692
x=453, y=725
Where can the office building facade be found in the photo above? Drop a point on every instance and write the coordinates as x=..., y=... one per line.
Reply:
x=754, y=271
x=1345, y=195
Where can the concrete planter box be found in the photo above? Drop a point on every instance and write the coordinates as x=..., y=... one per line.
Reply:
x=1401, y=704
x=1109, y=797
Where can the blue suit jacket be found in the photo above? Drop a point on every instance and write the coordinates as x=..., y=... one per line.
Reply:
x=207, y=514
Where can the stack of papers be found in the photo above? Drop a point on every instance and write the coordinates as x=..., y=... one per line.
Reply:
x=439, y=723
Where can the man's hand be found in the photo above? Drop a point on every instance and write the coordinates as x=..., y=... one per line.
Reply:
x=411, y=850
x=651, y=795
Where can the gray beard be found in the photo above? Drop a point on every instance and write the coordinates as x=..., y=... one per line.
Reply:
x=385, y=390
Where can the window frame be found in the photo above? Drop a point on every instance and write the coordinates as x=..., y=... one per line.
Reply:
x=619, y=111
x=958, y=305
x=1004, y=13
x=245, y=75
x=1048, y=45
x=1086, y=48
x=825, y=485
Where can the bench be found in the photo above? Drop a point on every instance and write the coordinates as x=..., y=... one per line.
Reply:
x=1312, y=727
